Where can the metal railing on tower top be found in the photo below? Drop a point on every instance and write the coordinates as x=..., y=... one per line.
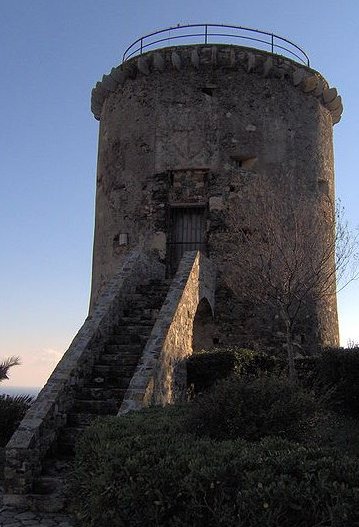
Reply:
x=217, y=34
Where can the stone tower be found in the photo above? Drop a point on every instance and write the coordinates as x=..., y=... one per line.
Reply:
x=179, y=128
x=185, y=132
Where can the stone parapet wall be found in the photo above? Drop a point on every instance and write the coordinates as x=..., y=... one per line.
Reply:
x=253, y=61
x=160, y=377
x=40, y=426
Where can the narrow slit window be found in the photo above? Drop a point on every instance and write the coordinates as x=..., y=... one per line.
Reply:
x=242, y=161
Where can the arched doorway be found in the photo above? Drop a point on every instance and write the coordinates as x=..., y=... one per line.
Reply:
x=204, y=330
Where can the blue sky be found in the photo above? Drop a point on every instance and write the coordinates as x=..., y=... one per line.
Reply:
x=52, y=54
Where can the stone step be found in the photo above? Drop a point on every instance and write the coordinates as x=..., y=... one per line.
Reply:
x=145, y=309
x=54, y=502
x=113, y=398
x=119, y=362
x=135, y=320
x=156, y=281
x=101, y=393
x=113, y=353
x=145, y=306
x=144, y=288
x=105, y=371
x=122, y=350
x=83, y=419
x=142, y=314
x=148, y=290
x=55, y=467
x=112, y=373
x=127, y=338
x=148, y=315
x=97, y=407
x=49, y=484
x=132, y=329
x=161, y=284
x=148, y=300
x=112, y=382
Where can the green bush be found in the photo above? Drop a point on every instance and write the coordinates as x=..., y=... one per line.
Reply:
x=307, y=370
x=339, y=370
x=12, y=410
x=252, y=408
x=206, y=367
x=336, y=430
x=140, y=471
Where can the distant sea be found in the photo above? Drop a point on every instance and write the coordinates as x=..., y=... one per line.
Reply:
x=19, y=390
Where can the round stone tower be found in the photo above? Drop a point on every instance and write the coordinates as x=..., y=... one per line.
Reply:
x=180, y=128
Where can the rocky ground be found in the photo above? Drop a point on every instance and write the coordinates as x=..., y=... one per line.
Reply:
x=16, y=518
x=10, y=517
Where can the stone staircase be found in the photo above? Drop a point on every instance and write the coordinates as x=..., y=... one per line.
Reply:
x=101, y=394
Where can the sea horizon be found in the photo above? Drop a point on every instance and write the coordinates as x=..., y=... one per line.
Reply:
x=20, y=390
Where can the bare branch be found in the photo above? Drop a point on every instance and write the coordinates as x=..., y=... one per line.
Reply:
x=287, y=252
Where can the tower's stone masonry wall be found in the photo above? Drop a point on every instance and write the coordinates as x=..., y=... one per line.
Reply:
x=185, y=135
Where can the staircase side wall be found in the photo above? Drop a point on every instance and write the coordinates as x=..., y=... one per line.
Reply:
x=40, y=426
x=160, y=377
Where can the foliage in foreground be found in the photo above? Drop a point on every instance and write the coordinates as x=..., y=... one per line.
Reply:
x=141, y=470
x=339, y=369
x=12, y=410
x=333, y=374
x=206, y=367
x=196, y=465
x=252, y=409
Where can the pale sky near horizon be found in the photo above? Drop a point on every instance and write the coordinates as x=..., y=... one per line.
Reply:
x=52, y=54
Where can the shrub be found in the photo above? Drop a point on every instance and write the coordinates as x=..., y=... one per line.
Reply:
x=206, y=367
x=339, y=369
x=336, y=430
x=307, y=370
x=139, y=470
x=12, y=410
x=252, y=408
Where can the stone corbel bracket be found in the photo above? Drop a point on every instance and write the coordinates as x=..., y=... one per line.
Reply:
x=252, y=61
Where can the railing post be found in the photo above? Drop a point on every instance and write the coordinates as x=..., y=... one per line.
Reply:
x=206, y=34
x=141, y=45
x=272, y=43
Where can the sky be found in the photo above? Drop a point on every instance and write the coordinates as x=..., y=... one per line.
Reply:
x=52, y=54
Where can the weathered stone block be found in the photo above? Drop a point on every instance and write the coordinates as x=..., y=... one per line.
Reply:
x=216, y=203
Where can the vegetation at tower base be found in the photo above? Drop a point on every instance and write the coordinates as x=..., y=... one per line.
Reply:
x=253, y=408
x=12, y=408
x=333, y=374
x=286, y=256
x=145, y=470
x=339, y=369
x=206, y=367
x=255, y=449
